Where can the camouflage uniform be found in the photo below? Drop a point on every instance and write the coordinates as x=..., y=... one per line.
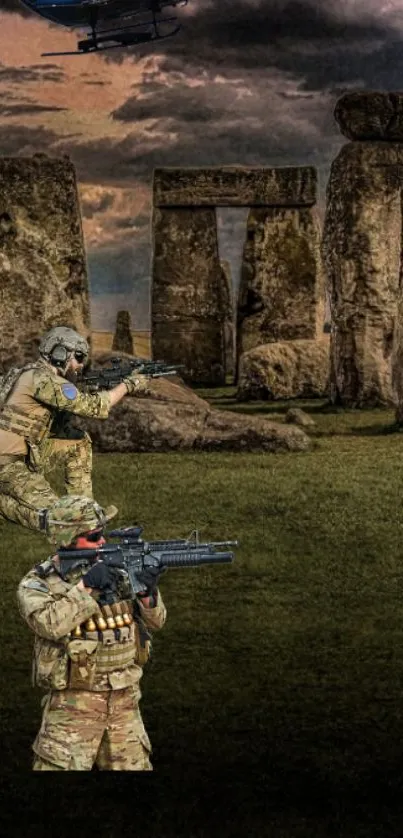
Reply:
x=36, y=435
x=91, y=714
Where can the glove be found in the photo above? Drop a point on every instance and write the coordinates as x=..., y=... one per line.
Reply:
x=136, y=383
x=98, y=576
x=149, y=578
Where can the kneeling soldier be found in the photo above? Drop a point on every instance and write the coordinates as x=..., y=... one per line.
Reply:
x=88, y=657
x=37, y=403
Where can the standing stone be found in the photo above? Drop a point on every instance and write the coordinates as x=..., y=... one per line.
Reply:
x=228, y=311
x=43, y=275
x=123, y=338
x=362, y=250
x=187, y=293
x=281, y=293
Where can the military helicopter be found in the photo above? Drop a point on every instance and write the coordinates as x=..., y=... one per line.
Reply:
x=112, y=23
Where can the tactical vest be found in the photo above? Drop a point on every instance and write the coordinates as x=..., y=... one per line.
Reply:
x=97, y=651
x=10, y=378
x=13, y=418
x=115, y=638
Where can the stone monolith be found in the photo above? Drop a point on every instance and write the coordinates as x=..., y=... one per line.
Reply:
x=362, y=251
x=187, y=312
x=123, y=338
x=281, y=293
x=43, y=275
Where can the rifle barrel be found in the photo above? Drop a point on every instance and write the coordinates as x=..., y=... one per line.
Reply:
x=187, y=559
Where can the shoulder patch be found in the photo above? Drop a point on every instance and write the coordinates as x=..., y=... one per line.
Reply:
x=69, y=390
x=35, y=585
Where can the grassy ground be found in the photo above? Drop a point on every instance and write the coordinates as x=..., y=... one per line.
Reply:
x=278, y=678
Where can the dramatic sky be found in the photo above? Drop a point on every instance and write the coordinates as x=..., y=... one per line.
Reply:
x=245, y=82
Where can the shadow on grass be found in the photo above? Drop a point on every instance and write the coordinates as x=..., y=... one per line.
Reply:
x=324, y=407
x=266, y=407
x=377, y=430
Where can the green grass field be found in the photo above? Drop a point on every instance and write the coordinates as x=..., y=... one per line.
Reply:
x=282, y=672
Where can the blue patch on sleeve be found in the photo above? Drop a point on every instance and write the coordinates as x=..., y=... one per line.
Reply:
x=69, y=390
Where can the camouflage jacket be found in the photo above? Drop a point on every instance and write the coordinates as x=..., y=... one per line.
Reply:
x=53, y=608
x=37, y=396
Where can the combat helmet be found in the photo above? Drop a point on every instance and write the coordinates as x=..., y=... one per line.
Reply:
x=74, y=515
x=59, y=344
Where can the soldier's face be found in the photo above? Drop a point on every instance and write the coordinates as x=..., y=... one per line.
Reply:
x=73, y=368
x=89, y=541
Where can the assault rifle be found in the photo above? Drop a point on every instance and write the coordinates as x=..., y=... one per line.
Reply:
x=108, y=377
x=132, y=555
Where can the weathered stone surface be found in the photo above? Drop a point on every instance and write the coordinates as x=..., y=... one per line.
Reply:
x=173, y=418
x=296, y=416
x=229, y=317
x=287, y=370
x=187, y=298
x=362, y=251
x=234, y=186
x=281, y=293
x=123, y=338
x=43, y=278
x=370, y=115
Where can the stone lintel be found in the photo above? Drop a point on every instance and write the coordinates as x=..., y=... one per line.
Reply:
x=234, y=186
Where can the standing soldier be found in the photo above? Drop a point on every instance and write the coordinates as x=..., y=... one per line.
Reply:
x=36, y=403
x=88, y=656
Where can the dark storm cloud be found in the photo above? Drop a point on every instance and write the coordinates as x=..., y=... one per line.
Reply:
x=380, y=69
x=319, y=42
x=99, y=161
x=189, y=104
x=237, y=142
x=27, y=109
x=88, y=78
x=256, y=83
x=239, y=23
x=249, y=33
x=19, y=140
x=33, y=73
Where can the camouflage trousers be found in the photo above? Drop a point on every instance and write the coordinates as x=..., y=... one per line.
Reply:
x=82, y=729
x=24, y=489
